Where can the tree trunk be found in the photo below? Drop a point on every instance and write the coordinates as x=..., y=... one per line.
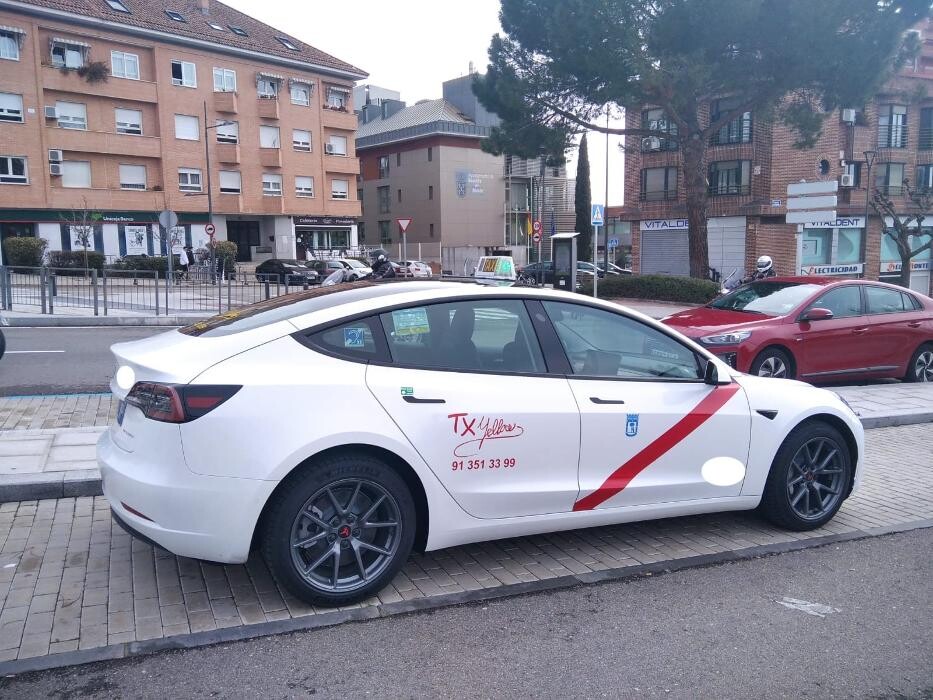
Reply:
x=903, y=247
x=697, y=195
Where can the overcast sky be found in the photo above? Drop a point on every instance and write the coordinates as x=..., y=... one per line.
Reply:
x=413, y=46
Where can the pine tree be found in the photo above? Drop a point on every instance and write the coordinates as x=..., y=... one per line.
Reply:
x=582, y=203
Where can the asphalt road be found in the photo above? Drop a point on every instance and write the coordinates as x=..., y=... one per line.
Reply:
x=62, y=360
x=714, y=632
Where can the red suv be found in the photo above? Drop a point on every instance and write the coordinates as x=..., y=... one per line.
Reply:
x=817, y=329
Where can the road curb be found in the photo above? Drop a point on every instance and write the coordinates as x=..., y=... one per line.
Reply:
x=87, y=321
x=127, y=650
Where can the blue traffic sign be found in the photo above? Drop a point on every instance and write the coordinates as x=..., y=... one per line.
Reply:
x=597, y=214
x=613, y=242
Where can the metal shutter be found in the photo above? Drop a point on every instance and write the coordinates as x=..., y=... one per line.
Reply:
x=665, y=253
x=726, y=236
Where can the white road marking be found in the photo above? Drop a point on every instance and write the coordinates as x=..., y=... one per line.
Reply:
x=815, y=609
x=32, y=352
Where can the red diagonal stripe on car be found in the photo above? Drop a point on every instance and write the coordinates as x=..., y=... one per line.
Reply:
x=621, y=477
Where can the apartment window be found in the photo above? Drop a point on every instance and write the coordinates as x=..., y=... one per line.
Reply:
x=658, y=184
x=385, y=232
x=892, y=126
x=76, y=173
x=269, y=137
x=925, y=177
x=431, y=230
x=382, y=196
x=730, y=177
x=337, y=97
x=124, y=65
x=129, y=121
x=224, y=80
x=383, y=166
x=239, y=31
x=175, y=16
x=118, y=6
x=739, y=130
x=228, y=132
x=926, y=129
x=301, y=140
x=229, y=182
x=430, y=191
x=430, y=154
x=71, y=115
x=286, y=43
x=656, y=120
x=399, y=195
x=271, y=185
x=184, y=74
x=301, y=94
x=339, y=189
x=13, y=170
x=216, y=26
x=337, y=145
x=189, y=179
x=890, y=178
x=11, y=107
x=67, y=54
x=186, y=128
x=398, y=160
x=268, y=88
x=304, y=186
x=132, y=177
x=9, y=44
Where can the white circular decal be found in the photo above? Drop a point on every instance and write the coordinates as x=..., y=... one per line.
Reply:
x=723, y=471
x=126, y=377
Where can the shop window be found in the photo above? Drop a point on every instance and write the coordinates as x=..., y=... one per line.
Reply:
x=849, y=246
x=817, y=246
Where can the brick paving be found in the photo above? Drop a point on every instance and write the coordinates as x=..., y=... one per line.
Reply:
x=57, y=411
x=71, y=579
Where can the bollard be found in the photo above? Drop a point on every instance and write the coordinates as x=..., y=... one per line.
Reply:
x=228, y=293
x=51, y=292
x=43, y=273
x=266, y=284
x=156, y=278
x=104, y=285
x=94, y=282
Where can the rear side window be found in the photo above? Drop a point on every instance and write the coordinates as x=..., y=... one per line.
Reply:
x=355, y=340
x=844, y=302
x=882, y=300
x=489, y=335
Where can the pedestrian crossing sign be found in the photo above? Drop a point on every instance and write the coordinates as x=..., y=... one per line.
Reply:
x=597, y=215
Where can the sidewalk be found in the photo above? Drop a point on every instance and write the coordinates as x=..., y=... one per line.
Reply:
x=74, y=588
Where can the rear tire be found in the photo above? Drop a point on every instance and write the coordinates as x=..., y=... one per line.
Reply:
x=809, y=478
x=2, y=344
x=920, y=368
x=773, y=362
x=339, y=530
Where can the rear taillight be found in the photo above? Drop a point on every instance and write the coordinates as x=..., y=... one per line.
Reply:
x=171, y=403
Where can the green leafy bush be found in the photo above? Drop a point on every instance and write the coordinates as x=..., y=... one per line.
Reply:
x=686, y=290
x=149, y=263
x=24, y=251
x=75, y=260
x=226, y=251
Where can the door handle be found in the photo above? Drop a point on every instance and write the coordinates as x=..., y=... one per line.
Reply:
x=859, y=331
x=606, y=402
x=415, y=399
x=913, y=324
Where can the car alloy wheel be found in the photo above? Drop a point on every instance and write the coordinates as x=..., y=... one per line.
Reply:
x=773, y=367
x=773, y=362
x=346, y=534
x=923, y=366
x=814, y=478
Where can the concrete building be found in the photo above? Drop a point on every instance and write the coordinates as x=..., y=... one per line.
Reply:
x=276, y=114
x=424, y=162
x=750, y=164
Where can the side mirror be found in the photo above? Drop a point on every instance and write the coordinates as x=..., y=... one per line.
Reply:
x=710, y=373
x=817, y=314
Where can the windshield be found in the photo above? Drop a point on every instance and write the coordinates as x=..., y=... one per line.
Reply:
x=767, y=298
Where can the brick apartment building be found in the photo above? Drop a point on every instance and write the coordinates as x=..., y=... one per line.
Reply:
x=750, y=164
x=425, y=162
x=276, y=114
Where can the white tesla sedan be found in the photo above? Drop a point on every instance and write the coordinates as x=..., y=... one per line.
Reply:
x=339, y=428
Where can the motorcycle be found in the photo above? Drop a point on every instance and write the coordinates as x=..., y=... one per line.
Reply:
x=731, y=282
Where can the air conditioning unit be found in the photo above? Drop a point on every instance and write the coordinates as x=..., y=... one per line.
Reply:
x=848, y=116
x=55, y=169
x=51, y=112
x=848, y=176
x=55, y=156
x=651, y=143
x=329, y=148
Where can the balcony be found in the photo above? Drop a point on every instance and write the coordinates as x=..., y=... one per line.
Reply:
x=338, y=119
x=891, y=190
x=228, y=152
x=725, y=190
x=270, y=157
x=657, y=195
x=273, y=205
x=69, y=81
x=226, y=102
x=104, y=142
x=341, y=164
x=268, y=108
x=925, y=142
x=892, y=136
x=736, y=131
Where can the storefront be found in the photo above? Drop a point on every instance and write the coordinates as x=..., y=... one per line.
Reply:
x=324, y=233
x=834, y=248
x=665, y=248
x=919, y=265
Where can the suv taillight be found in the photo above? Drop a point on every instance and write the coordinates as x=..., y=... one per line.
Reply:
x=172, y=403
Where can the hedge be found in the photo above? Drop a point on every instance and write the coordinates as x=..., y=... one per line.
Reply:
x=24, y=251
x=150, y=263
x=686, y=290
x=75, y=260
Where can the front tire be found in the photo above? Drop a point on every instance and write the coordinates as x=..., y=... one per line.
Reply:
x=339, y=530
x=809, y=478
x=773, y=362
x=920, y=368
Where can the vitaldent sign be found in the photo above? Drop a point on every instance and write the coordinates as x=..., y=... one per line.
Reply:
x=841, y=222
x=664, y=225
x=821, y=270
